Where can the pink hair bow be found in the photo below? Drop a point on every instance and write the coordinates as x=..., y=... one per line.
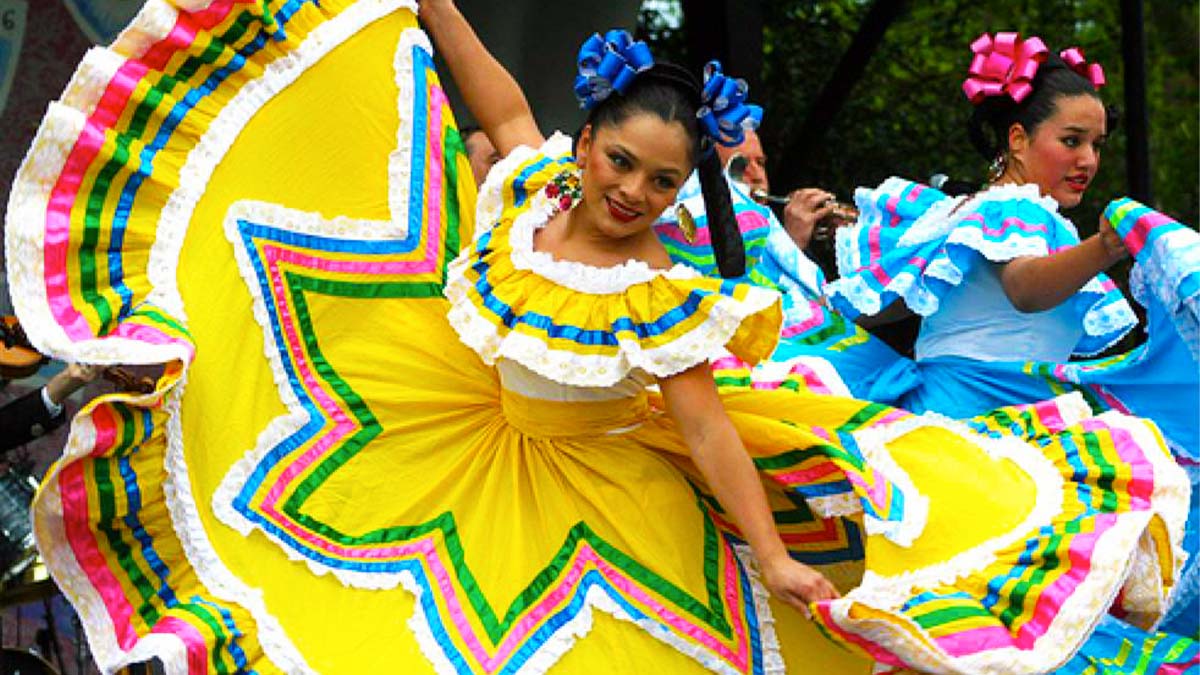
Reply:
x=1005, y=64
x=1090, y=71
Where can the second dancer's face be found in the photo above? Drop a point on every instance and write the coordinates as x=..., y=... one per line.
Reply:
x=632, y=171
x=1063, y=154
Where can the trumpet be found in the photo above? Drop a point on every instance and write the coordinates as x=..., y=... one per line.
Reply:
x=840, y=213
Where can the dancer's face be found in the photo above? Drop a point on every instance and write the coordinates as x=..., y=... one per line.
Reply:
x=1063, y=153
x=632, y=171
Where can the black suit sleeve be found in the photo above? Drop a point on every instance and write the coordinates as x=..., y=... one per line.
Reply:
x=26, y=418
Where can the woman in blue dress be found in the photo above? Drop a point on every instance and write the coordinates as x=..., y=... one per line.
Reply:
x=1007, y=290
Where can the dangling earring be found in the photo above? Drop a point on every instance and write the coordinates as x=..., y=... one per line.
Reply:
x=687, y=224
x=565, y=189
x=998, y=166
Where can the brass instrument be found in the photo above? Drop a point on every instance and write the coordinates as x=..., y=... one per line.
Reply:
x=840, y=215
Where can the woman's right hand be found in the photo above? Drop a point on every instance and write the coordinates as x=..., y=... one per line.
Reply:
x=797, y=584
x=1114, y=245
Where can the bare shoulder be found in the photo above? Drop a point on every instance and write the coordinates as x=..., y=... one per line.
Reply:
x=549, y=237
x=654, y=254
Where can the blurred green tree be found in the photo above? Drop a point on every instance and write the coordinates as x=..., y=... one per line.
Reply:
x=907, y=115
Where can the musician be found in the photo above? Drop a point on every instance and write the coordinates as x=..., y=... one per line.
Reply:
x=41, y=411
x=803, y=210
x=480, y=151
x=805, y=207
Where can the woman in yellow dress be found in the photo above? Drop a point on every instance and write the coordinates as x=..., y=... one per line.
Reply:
x=569, y=292
x=502, y=488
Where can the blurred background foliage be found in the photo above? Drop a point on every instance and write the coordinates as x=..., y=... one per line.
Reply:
x=907, y=115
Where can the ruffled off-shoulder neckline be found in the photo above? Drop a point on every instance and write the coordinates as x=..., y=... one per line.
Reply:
x=580, y=324
x=915, y=243
x=573, y=274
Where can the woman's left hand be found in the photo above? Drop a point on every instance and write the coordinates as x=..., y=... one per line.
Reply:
x=1114, y=246
x=797, y=584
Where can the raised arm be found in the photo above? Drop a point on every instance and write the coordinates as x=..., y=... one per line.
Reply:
x=715, y=447
x=1039, y=284
x=490, y=92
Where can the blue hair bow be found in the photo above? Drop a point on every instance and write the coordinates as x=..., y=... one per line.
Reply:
x=724, y=114
x=608, y=64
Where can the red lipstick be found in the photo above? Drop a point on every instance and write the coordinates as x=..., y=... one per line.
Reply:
x=620, y=212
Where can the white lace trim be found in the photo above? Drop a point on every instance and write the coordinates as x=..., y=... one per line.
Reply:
x=1047, y=503
x=577, y=276
x=28, y=201
x=1174, y=490
x=774, y=663
x=873, y=441
x=152, y=24
x=996, y=194
x=158, y=644
x=1173, y=257
x=799, y=274
x=24, y=245
x=1115, y=555
x=1107, y=322
x=841, y=505
x=50, y=534
x=598, y=370
x=60, y=558
x=90, y=79
x=210, y=570
x=1070, y=628
x=873, y=444
x=940, y=222
x=1183, y=595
